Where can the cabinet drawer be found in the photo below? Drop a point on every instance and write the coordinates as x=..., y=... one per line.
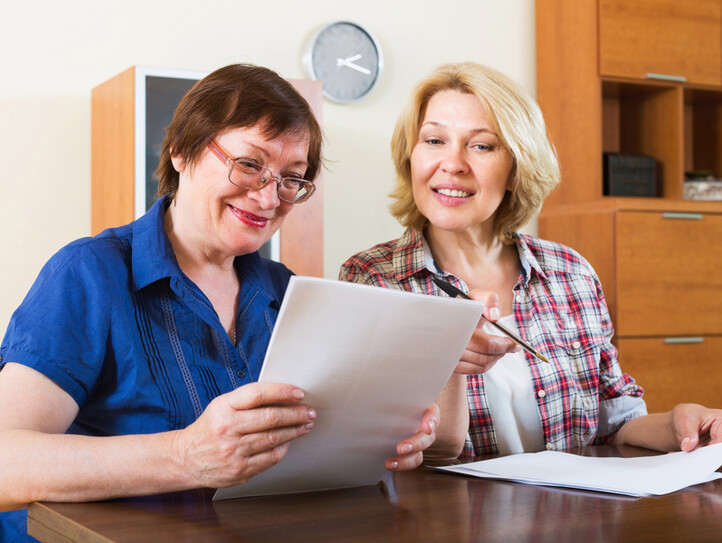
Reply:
x=668, y=274
x=665, y=37
x=672, y=373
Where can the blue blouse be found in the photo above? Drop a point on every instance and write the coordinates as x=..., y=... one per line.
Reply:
x=114, y=321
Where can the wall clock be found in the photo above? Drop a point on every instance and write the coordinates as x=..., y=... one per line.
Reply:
x=346, y=58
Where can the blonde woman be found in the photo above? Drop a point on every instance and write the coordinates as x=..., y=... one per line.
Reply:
x=474, y=164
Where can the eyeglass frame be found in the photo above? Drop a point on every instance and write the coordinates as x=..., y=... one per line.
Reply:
x=229, y=161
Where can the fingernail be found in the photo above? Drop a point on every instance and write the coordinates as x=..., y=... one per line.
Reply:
x=684, y=442
x=405, y=448
x=494, y=313
x=308, y=426
x=392, y=465
x=311, y=414
x=298, y=394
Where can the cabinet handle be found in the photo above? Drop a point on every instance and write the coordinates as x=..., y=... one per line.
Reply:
x=677, y=340
x=687, y=216
x=665, y=77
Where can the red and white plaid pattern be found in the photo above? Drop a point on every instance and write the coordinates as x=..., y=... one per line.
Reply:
x=559, y=308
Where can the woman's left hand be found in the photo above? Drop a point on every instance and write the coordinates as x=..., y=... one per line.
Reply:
x=696, y=426
x=410, y=451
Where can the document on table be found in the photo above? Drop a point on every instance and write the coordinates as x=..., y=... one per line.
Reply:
x=639, y=476
x=371, y=361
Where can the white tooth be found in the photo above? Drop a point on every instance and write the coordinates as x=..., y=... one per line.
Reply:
x=453, y=193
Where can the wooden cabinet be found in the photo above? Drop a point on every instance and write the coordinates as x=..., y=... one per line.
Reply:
x=659, y=258
x=668, y=274
x=120, y=127
x=674, y=369
x=662, y=39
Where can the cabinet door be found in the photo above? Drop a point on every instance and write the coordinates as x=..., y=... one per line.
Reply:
x=664, y=37
x=672, y=372
x=669, y=274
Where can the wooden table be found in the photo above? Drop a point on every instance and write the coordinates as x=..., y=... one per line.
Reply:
x=423, y=505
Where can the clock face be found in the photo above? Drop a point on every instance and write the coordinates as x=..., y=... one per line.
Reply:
x=347, y=59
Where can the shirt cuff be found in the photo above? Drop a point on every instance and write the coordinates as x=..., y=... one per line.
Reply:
x=614, y=413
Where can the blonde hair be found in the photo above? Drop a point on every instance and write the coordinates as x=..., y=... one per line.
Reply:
x=518, y=122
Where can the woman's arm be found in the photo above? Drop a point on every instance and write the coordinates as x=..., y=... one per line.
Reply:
x=239, y=435
x=453, y=421
x=686, y=427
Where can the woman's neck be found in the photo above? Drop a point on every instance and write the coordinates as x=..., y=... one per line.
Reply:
x=215, y=276
x=479, y=258
x=194, y=256
x=463, y=252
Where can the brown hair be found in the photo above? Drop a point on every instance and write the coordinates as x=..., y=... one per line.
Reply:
x=236, y=96
x=518, y=122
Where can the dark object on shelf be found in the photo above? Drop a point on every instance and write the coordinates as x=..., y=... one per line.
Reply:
x=699, y=175
x=630, y=175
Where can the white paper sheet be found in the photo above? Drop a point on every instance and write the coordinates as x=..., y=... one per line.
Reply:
x=639, y=476
x=371, y=361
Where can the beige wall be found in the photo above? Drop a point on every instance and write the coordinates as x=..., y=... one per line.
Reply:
x=54, y=53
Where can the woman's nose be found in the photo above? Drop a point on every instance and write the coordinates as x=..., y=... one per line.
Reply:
x=267, y=197
x=454, y=160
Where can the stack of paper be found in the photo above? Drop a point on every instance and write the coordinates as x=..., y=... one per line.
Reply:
x=639, y=476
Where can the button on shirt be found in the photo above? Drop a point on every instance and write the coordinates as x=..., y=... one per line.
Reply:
x=583, y=396
x=114, y=321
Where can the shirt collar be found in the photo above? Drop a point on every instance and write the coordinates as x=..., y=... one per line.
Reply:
x=413, y=255
x=528, y=261
x=154, y=259
x=153, y=256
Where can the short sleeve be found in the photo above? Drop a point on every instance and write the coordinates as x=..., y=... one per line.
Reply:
x=61, y=327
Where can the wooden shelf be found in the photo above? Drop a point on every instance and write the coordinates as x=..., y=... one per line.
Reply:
x=660, y=276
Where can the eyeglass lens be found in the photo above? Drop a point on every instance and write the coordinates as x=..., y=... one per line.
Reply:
x=251, y=175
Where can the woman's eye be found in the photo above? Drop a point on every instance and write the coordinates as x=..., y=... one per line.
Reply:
x=433, y=141
x=248, y=166
x=481, y=147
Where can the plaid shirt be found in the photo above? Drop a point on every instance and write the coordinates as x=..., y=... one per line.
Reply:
x=559, y=307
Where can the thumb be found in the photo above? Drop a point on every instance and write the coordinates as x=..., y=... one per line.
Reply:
x=490, y=300
x=687, y=426
x=689, y=442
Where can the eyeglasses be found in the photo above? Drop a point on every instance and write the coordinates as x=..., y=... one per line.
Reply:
x=246, y=173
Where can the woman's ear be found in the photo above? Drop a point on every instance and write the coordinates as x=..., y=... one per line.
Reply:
x=178, y=163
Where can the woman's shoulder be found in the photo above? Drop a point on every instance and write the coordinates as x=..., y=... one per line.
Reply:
x=380, y=252
x=104, y=249
x=379, y=260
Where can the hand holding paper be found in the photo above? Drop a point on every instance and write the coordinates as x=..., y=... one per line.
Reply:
x=371, y=362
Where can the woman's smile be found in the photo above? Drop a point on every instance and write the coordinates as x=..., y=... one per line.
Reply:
x=250, y=219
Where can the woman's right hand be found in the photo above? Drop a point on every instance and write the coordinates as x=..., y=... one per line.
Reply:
x=484, y=350
x=242, y=433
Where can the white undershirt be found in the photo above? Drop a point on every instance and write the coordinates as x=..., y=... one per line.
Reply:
x=513, y=406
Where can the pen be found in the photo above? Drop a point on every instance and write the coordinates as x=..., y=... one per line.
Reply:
x=452, y=291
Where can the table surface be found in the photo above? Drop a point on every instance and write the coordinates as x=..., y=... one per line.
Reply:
x=422, y=505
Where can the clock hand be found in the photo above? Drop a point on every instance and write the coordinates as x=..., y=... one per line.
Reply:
x=356, y=67
x=351, y=59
